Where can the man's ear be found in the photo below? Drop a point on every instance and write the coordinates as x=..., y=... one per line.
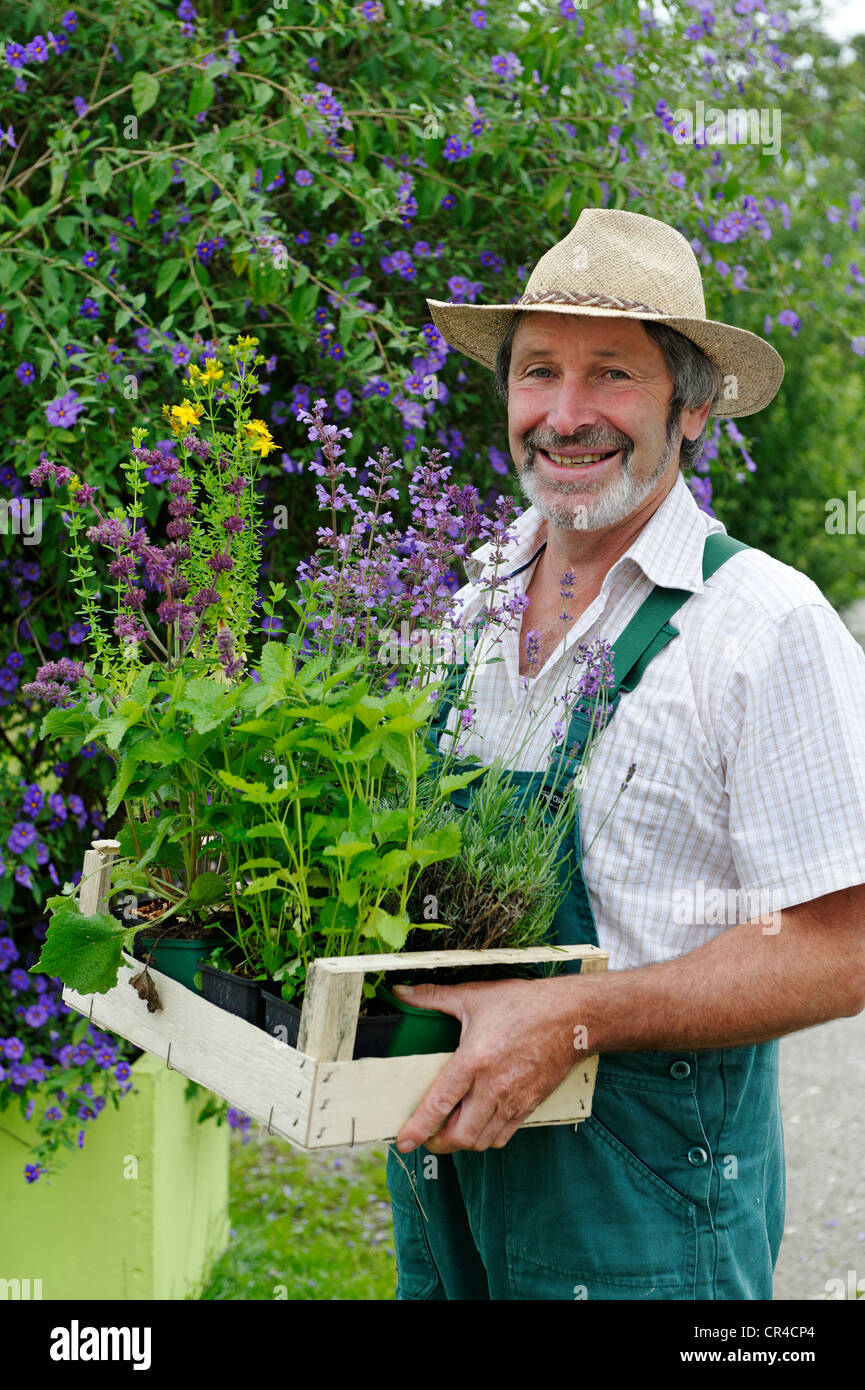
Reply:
x=693, y=420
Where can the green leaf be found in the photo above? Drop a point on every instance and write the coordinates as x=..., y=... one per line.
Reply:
x=454, y=782
x=102, y=172
x=393, y=867
x=209, y=702
x=66, y=228
x=167, y=748
x=141, y=203
x=145, y=91
x=85, y=952
x=201, y=94
x=167, y=274
x=392, y=930
x=150, y=836
x=253, y=791
x=80, y=1029
x=262, y=885
x=266, y=830
x=396, y=749
x=440, y=844
x=207, y=888
x=125, y=775
x=348, y=846
x=390, y=825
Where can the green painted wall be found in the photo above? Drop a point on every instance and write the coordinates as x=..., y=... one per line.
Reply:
x=96, y=1231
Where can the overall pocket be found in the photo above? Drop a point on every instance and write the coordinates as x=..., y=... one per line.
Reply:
x=588, y=1217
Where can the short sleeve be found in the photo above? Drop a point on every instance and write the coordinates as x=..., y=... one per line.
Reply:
x=792, y=733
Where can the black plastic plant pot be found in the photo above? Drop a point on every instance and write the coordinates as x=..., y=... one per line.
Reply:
x=373, y=1038
x=408, y=1031
x=234, y=994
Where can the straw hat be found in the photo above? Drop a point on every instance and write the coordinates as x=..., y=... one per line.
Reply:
x=621, y=265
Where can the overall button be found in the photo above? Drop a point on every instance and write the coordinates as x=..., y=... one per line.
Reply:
x=680, y=1070
x=698, y=1157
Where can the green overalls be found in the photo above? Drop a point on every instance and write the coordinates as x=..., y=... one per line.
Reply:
x=673, y=1189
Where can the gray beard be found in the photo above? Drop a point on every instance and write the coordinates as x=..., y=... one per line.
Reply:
x=609, y=503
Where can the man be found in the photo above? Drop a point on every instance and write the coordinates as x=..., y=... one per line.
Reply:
x=747, y=725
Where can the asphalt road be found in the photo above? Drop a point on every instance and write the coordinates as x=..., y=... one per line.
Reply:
x=822, y=1093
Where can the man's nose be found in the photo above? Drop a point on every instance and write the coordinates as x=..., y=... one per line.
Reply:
x=572, y=408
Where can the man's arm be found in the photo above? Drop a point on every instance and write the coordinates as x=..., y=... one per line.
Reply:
x=745, y=986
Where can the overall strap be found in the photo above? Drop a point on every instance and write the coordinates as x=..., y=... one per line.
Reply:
x=649, y=630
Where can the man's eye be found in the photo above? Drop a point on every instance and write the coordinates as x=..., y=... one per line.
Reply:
x=619, y=372
x=537, y=369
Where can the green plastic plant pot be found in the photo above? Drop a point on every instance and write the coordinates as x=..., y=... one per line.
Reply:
x=420, y=1031
x=177, y=959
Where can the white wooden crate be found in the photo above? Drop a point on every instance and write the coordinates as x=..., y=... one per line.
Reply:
x=313, y=1095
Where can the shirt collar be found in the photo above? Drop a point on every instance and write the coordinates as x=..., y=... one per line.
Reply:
x=668, y=550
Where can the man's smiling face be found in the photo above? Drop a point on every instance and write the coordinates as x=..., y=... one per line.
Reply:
x=583, y=387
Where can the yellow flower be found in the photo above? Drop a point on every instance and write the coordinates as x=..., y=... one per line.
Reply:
x=183, y=417
x=212, y=370
x=194, y=372
x=259, y=437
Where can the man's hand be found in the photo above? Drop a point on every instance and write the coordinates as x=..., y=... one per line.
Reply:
x=513, y=1053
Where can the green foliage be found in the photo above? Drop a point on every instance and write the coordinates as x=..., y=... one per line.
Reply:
x=84, y=952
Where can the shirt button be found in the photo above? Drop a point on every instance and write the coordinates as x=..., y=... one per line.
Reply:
x=698, y=1157
x=680, y=1070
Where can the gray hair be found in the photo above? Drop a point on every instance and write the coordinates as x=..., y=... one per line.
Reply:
x=695, y=378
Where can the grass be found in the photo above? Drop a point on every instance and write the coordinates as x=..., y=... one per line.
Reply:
x=306, y=1226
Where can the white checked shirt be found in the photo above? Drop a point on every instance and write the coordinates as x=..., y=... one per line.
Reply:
x=748, y=732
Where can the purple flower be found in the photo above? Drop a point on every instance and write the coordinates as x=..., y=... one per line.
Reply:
x=790, y=320
x=303, y=177
x=506, y=65
x=23, y=876
x=25, y=373
x=21, y=837
x=36, y=1015
x=8, y=951
x=64, y=410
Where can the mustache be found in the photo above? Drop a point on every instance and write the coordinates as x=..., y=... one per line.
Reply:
x=596, y=441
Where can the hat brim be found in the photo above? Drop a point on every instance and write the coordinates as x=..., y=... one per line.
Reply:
x=752, y=369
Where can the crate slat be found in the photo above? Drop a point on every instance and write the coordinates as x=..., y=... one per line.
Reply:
x=258, y=1074
x=430, y=960
x=371, y=1099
